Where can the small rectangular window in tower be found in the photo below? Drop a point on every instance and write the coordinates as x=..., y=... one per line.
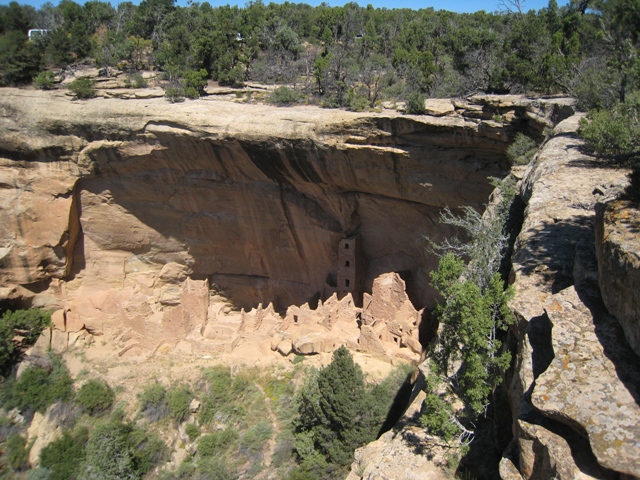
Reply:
x=346, y=282
x=346, y=246
x=346, y=263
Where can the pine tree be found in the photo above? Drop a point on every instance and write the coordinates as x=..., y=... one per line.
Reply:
x=333, y=413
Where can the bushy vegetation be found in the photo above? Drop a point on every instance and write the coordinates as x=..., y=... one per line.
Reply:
x=95, y=397
x=284, y=96
x=614, y=132
x=83, y=88
x=178, y=400
x=24, y=324
x=153, y=402
x=415, y=103
x=522, y=150
x=192, y=431
x=44, y=81
x=117, y=450
x=467, y=357
x=63, y=458
x=17, y=453
x=37, y=387
x=338, y=55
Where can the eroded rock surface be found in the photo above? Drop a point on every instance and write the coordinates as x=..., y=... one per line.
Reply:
x=109, y=206
x=618, y=249
x=574, y=392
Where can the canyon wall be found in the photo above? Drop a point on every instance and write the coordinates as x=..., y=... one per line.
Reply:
x=108, y=206
x=167, y=222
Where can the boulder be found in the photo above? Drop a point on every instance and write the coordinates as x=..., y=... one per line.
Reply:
x=588, y=354
x=309, y=344
x=438, y=107
x=285, y=347
x=43, y=430
x=275, y=341
x=58, y=320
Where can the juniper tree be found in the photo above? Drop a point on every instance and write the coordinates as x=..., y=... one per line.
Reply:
x=466, y=358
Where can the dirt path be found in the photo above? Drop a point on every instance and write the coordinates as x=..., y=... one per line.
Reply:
x=272, y=441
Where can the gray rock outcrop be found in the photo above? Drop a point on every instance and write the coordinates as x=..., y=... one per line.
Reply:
x=575, y=388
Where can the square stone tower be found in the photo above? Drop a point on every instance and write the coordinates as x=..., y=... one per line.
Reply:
x=349, y=266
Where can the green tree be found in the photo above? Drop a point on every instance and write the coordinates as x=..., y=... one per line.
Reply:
x=620, y=24
x=331, y=409
x=19, y=59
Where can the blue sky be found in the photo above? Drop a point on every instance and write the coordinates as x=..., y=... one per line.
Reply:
x=452, y=5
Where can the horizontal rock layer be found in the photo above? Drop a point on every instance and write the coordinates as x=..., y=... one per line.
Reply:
x=108, y=205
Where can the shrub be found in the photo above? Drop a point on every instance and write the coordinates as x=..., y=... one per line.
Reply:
x=153, y=402
x=44, y=81
x=116, y=450
x=64, y=457
x=17, y=453
x=284, y=96
x=522, y=150
x=39, y=473
x=192, y=431
x=138, y=81
x=254, y=439
x=36, y=388
x=614, y=132
x=174, y=94
x=95, y=397
x=415, y=104
x=233, y=77
x=83, y=88
x=179, y=400
x=28, y=323
x=357, y=103
x=215, y=469
x=216, y=443
x=194, y=82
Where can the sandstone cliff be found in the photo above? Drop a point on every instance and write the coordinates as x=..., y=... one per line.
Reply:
x=109, y=206
x=163, y=223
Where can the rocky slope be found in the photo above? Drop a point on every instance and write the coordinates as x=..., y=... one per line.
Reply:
x=574, y=387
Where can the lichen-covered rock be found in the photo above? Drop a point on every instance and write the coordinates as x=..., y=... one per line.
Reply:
x=592, y=382
x=572, y=392
x=618, y=248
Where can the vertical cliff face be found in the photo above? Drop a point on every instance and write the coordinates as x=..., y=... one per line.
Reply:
x=110, y=204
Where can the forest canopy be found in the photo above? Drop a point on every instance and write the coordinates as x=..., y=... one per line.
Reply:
x=349, y=56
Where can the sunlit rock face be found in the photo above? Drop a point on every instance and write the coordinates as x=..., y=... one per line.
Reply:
x=108, y=205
